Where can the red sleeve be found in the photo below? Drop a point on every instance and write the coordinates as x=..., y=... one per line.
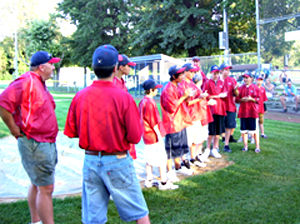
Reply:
x=170, y=102
x=70, y=127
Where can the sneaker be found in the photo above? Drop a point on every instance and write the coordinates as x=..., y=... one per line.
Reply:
x=240, y=139
x=284, y=110
x=264, y=136
x=244, y=149
x=231, y=139
x=168, y=186
x=214, y=153
x=185, y=171
x=227, y=149
x=205, y=155
x=201, y=158
x=151, y=183
x=197, y=163
x=186, y=163
x=171, y=175
x=257, y=151
x=252, y=141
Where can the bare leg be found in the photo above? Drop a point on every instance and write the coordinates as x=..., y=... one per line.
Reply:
x=44, y=203
x=232, y=131
x=209, y=140
x=144, y=220
x=261, y=127
x=256, y=137
x=32, y=193
x=193, y=151
x=149, y=172
x=169, y=164
x=162, y=172
x=227, y=135
x=245, y=139
x=297, y=101
x=216, y=141
x=177, y=163
x=282, y=100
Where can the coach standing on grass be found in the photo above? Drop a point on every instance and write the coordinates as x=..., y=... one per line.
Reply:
x=107, y=121
x=27, y=108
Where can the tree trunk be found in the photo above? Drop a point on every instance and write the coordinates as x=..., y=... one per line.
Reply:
x=192, y=52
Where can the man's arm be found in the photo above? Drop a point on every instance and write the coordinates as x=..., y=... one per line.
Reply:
x=8, y=119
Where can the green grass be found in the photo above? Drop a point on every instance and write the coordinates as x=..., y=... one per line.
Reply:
x=257, y=188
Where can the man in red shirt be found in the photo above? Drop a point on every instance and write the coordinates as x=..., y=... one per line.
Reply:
x=215, y=89
x=262, y=99
x=153, y=133
x=27, y=108
x=175, y=120
x=196, y=63
x=124, y=68
x=248, y=111
x=195, y=132
x=232, y=91
x=106, y=120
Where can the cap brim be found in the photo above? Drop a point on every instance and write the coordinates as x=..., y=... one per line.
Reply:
x=158, y=86
x=260, y=78
x=194, y=70
x=247, y=76
x=131, y=63
x=181, y=70
x=228, y=67
x=216, y=70
x=54, y=60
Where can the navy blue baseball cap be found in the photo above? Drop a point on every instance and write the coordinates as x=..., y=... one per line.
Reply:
x=196, y=58
x=197, y=78
x=225, y=66
x=150, y=84
x=42, y=57
x=105, y=56
x=248, y=74
x=124, y=60
x=214, y=68
x=190, y=67
x=175, y=70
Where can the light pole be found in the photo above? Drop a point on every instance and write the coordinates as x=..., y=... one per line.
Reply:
x=257, y=35
x=226, y=35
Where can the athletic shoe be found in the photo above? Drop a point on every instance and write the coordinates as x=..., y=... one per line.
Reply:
x=264, y=136
x=186, y=163
x=252, y=141
x=214, y=153
x=257, y=151
x=197, y=163
x=227, y=149
x=240, y=139
x=244, y=149
x=205, y=155
x=171, y=175
x=185, y=171
x=201, y=158
x=151, y=183
x=284, y=110
x=231, y=139
x=168, y=186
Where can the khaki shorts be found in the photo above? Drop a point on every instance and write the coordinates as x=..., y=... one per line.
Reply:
x=39, y=160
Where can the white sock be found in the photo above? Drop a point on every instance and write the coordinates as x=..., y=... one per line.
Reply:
x=39, y=222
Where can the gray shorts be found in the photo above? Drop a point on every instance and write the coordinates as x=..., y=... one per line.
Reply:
x=39, y=160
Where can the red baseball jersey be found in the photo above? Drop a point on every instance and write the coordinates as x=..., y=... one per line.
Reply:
x=104, y=117
x=175, y=116
x=262, y=98
x=248, y=109
x=120, y=83
x=150, y=118
x=215, y=88
x=229, y=84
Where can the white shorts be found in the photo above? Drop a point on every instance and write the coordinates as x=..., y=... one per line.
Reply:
x=196, y=133
x=155, y=154
x=290, y=99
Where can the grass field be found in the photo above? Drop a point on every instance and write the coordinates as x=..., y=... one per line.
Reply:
x=257, y=188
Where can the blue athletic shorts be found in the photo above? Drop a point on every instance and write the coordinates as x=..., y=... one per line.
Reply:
x=216, y=127
x=230, y=120
x=39, y=160
x=111, y=175
x=176, y=144
x=248, y=125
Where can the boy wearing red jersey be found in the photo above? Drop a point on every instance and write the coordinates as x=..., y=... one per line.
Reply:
x=124, y=68
x=153, y=134
x=215, y=89
x=175, y=120
x=248, y=110
x=196, y=63
x=232, y=91
x=194, y=132
x=262, y=99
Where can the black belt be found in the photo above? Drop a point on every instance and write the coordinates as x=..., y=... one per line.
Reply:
x=102, y=153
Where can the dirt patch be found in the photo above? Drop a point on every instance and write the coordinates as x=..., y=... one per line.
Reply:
x=280, y=116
